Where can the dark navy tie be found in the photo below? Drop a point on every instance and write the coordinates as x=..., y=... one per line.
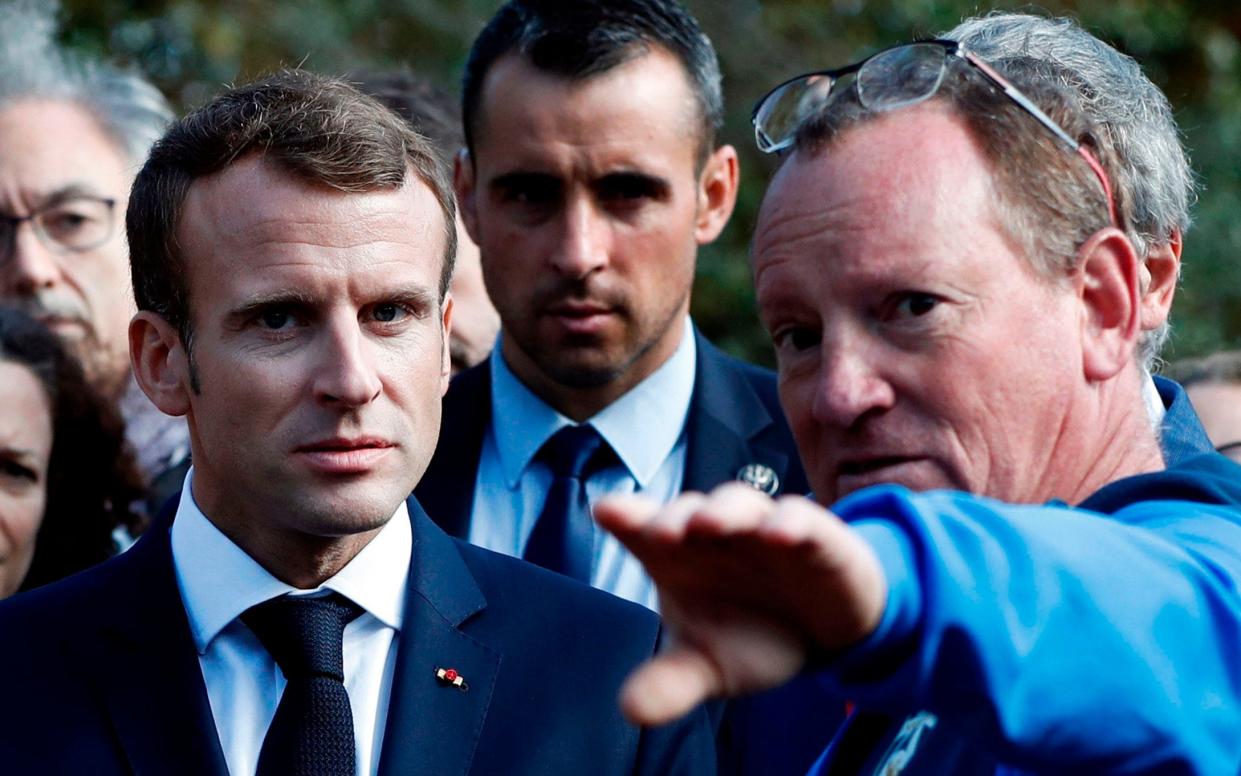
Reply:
x=564, y=537
x=312, y=732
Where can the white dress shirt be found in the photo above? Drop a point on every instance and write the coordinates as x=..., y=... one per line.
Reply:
x=219, y=581
x=646, y=429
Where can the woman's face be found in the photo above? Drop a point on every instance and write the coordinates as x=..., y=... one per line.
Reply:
x=25, y=447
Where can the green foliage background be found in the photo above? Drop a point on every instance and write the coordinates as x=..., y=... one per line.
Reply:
x=1190, y=48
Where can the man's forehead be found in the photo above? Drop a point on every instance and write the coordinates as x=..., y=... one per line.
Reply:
x=52, y=146
x=257, y=198
x=888, y=174
x=527, y=113
x=255, y=229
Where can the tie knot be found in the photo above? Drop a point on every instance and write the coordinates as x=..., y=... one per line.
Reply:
x=304, y=635
x=576, y=452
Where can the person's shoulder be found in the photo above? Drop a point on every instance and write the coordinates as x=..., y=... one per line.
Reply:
x=761, y=378
x=83, y=590
x=57, y=614
x=1209, y=478
x=724, y=381
x=470, y=385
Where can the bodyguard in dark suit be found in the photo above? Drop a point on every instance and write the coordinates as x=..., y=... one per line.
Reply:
x=592, y=176
x=291, y=246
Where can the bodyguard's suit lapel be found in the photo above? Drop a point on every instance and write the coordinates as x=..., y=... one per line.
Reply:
x=153, y=686
x=446, y=491
x=726, y=422
x=432, y=726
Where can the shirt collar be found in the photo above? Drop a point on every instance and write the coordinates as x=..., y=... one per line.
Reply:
x=661, y=402
x=219, y=581
x=1152, y=399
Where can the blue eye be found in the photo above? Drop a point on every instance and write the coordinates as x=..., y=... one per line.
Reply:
x=915, y=305
x=387, y=313
x=275, y=319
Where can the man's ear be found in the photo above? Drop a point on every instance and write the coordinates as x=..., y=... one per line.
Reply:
x=161, y=365
x=1108, y=282
x=1162, y=270
x=445, y=355
x=463, y=182
x=717, y=194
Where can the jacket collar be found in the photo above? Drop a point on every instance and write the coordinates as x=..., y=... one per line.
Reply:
x=434, y=725
x=150, y=679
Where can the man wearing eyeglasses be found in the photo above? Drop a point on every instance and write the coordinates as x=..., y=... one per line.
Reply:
x=1012, y=577
x=72, y=135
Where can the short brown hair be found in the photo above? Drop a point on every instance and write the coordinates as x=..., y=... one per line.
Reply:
x=317, y=128
x=1049, y=201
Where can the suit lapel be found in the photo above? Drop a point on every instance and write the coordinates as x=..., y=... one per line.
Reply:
x=446, y=491
x=726, y=417
x=433, y=726
x=151, y=682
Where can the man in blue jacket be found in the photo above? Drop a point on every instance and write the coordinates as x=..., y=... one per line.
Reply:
x=943, y=266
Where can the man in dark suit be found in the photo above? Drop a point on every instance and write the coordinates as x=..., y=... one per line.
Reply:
x=591, y=177
x=292, y=245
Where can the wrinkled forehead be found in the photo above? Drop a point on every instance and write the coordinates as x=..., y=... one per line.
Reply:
x=50, y=146
x=915, y=175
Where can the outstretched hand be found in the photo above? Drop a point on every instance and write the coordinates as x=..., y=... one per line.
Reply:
x=749, y=588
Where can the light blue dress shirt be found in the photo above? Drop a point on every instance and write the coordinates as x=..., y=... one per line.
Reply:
x=219, y=581
x=646, y=428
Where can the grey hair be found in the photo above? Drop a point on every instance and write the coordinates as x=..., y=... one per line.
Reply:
x=1133, y=119
x=132, y=112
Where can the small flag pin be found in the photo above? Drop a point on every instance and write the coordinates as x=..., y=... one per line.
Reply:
x=450, y=676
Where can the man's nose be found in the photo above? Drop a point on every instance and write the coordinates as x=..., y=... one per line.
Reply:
x=851, y=384
x=27, y=264
x=348, y=374
x=584, y=240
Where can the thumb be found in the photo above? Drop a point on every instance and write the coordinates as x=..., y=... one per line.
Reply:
x=668, y=686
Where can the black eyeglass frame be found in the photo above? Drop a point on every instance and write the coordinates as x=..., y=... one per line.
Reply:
x=36, y=224
x=951, y=48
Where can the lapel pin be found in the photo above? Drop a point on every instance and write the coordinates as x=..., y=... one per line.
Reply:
x=450, y=676
x=760, y=477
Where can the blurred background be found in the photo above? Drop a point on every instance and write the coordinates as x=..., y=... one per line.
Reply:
x=1189, y=48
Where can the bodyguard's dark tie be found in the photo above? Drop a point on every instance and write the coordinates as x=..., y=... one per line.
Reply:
x=312, y=732
x=563, y=539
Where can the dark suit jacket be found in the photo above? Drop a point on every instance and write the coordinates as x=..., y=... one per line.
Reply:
x=101, y=675
x=734, y=419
